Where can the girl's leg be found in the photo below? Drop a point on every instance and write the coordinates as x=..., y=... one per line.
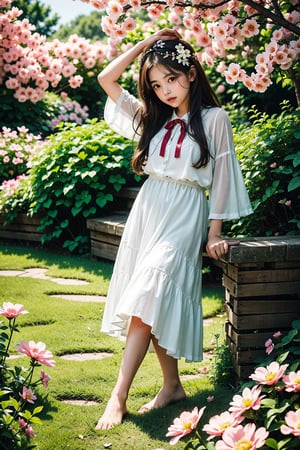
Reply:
x=172, y=389
x=137, y=344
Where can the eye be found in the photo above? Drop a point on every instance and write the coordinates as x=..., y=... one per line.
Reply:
x=155, y=86
x=171, y=79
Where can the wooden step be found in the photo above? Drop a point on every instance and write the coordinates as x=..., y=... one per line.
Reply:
x=105, y=234
x=23, y=228
x=106, y=231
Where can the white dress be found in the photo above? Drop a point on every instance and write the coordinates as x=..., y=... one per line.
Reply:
x=157, y=273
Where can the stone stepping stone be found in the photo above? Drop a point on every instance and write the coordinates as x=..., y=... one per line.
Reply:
x=81, y=297
x=93, y=356
x=41, y=275
x=80, y=402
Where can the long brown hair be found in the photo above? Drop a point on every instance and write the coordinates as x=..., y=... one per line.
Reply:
x=154, y=113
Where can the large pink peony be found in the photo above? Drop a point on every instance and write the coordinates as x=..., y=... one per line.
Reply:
x=219, y=423
x=250, y=399
x=36, y=351
x=184, y=424
x=292, y=381
x=243, y=438
x=292, y=420
x=269, y=375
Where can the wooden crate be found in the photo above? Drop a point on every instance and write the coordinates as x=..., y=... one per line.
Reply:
x=22, y=228
x=261, y=278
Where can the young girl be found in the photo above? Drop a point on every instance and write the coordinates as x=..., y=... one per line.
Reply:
x=186, y=149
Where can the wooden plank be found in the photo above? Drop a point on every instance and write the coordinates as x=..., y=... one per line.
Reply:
x=33, y=237
x=113, y=224
x=243, y=372
x=263, y=275
x=260, y=321
x=260, y=289
x=104, y=237
x=261, y=306
x=105, y=251
x=250, y=339
x=247, y=356
x=279, y=248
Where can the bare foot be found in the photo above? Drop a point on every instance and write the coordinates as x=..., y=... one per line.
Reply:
x=113, y=414
x=163, y=398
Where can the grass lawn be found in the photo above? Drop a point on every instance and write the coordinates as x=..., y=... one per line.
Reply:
x=69, y=327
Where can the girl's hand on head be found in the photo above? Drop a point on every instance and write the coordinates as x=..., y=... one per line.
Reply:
x=168, y=33
x=164, y=34
x=217, y=247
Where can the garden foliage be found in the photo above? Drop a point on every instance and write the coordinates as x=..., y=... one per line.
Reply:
x=76, y=176
x=268, y=151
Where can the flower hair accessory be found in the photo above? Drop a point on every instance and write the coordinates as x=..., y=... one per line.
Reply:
x=180, y=53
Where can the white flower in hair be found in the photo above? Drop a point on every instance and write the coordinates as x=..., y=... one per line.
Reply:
x=159, y=44
x=183, y=54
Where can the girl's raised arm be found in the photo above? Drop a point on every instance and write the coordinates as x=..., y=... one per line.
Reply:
x=108, y=78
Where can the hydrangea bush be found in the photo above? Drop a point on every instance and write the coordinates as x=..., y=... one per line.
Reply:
x=67, y=111
x=20, y=402
x=264, y=414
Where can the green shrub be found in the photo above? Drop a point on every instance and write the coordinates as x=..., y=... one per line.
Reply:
x=268, y=151
x=75, y=176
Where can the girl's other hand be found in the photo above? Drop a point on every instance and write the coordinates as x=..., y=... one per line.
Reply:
x=217, y=247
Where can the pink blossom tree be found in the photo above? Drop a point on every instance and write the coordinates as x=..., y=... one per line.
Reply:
x=247, y=41
x=30, y=65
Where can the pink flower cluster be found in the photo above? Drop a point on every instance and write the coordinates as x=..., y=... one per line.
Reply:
x=218, y=32
x=69, y=111
x=17, y=149
x=29, y=65
x=227, y=427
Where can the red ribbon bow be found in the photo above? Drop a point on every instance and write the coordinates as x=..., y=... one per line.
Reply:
x=170, y=125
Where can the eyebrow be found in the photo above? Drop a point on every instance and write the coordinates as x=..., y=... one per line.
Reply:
x=165, y=76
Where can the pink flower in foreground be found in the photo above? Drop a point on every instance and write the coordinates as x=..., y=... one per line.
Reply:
x=292, y=420
x=45, y=379
x=238, y=438
x=11, y=311
x=29, y=431
x=278, y=334
x=36, y=351
x=184, y=424
x=218, y=424
x=269, y=375
x=292, y=381
x=250, y=399
x=28, y=395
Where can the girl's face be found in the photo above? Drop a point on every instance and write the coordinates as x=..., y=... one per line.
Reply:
x=172, y=89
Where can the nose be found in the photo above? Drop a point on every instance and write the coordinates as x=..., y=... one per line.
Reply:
x=166, y=89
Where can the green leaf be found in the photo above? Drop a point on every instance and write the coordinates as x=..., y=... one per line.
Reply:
x=294, y=184
x=37, y=410
x=270, y=442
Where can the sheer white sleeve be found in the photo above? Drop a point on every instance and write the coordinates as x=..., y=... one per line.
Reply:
x=121, y=116
x=228, y=196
